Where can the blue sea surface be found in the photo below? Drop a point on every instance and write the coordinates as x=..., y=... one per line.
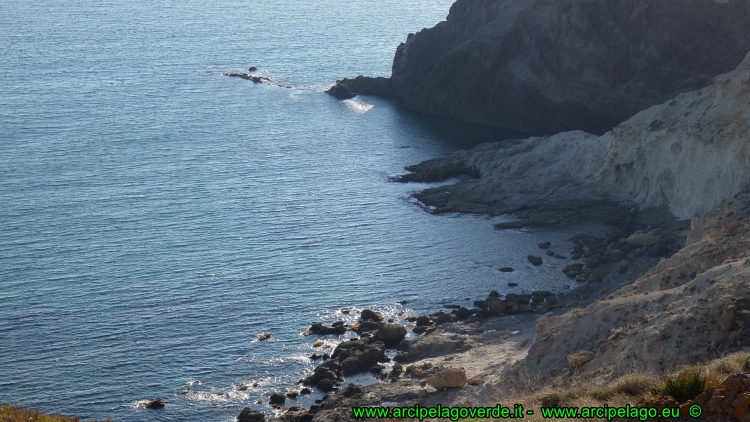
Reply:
x=156, y=216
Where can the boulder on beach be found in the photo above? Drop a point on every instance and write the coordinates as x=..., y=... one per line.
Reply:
x=367, y=326
x=359, y=361
x=391, y=333
x=448, y=378
x=424, y=321
x=250, y=415
x=325, y=385
x=445, y=318
x=495, y=306
x=371, y=315
x=462, y=313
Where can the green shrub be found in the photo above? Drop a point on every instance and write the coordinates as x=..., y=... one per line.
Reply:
x=685, y=385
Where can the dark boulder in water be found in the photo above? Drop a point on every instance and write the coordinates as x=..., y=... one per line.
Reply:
x=535, y=260
x=371, y=315
x=255, y=79
x=366, y=86
x=276, y=398
x=155, y=404
x=325, y=385
x=264, y=336
x=341, y=91
x=321, y=329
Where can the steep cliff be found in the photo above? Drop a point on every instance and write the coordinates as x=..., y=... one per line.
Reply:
x=546, y=66
x=687, y=154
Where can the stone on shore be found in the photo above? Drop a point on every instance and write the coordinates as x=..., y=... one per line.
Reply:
x=445, y=318
x=448, y=378
x=371, y=315
x=250, y=415
x=320, y=329
x=391, y=333
x=642, y=239
x=325, y=385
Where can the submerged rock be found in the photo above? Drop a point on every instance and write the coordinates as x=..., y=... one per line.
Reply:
x=535, y=260
x=155, y=404
x=264, y=336
x=255, y=79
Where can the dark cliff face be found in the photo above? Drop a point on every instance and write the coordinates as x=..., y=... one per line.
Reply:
x=545, y=66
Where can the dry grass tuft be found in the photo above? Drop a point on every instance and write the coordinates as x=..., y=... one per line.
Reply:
x=731, y=364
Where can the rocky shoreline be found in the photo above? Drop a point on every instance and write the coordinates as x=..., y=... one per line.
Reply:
x=694, y=284
x=667, y=287
x=447, y=360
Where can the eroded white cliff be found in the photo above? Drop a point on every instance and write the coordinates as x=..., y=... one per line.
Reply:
x=687, y=155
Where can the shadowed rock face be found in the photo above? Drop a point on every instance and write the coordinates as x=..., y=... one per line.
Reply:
x=546, y=66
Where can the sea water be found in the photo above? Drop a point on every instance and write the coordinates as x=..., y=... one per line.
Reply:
x=156, y=216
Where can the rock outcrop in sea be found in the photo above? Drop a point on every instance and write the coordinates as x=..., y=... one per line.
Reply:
x=546, y=66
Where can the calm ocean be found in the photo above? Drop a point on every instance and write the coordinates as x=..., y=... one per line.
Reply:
x=155, y=216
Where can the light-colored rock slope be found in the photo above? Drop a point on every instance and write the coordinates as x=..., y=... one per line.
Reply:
x=687, y=154
x=686, y=310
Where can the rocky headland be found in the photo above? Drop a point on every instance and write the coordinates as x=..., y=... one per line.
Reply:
x=666, y=289
x=547, y=66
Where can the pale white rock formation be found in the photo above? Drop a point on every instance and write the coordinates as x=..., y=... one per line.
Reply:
x=687, y=155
